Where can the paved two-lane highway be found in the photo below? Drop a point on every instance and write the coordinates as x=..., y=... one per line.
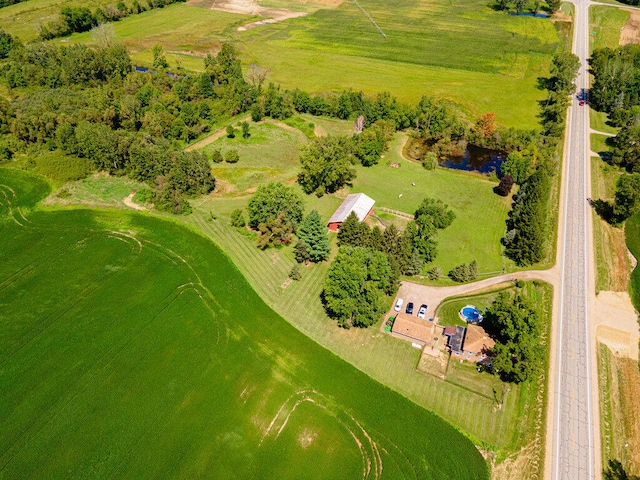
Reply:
x=574, y=427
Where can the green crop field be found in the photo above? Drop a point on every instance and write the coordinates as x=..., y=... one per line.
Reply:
x=132, y=347
x=486, y=61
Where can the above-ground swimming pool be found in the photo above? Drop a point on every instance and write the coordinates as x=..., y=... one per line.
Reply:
x=470, y=314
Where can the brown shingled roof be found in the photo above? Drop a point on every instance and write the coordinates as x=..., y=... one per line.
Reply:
x=477, y=340
x=412, y=327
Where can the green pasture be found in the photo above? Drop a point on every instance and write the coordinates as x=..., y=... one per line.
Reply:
x=480, y=214
x=132, y=347
x=486, y=61
x=184, y=31
x=24, y=19
x=632, y=232
x=606, y=22
x=269, y=154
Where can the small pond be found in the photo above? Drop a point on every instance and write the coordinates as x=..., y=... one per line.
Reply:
x=472, y=158
x=537, y=15
x=476, y=159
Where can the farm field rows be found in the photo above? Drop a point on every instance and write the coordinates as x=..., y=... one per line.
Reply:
x=134, y=348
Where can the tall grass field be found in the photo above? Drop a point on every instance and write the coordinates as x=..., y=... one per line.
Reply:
x=133, y=348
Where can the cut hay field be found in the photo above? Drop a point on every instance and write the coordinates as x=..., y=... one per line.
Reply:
x=132, y=347
x=482, y=59
x=606, y=23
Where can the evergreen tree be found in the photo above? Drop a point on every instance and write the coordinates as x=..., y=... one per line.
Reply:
x=313, y=233
x=349, y=232
x=301, y=253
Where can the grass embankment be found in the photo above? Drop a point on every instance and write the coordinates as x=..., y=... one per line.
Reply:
x=134, y=348
x=619, y=381
x=606, y=22
x=336, y=49
x=600, y=121
x=632, y=233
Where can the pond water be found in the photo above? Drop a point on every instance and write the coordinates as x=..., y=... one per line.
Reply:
x=476, y=159
x=537, y=15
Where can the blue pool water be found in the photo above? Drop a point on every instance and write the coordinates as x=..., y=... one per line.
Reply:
x=470, y=313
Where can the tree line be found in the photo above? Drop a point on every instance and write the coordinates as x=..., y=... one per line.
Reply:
x=616, y=91
x=526, y=238
x=82, y=19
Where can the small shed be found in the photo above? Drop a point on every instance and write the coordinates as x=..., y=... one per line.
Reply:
x=358, y=203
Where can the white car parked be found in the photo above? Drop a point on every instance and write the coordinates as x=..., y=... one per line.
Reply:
x=398, y=306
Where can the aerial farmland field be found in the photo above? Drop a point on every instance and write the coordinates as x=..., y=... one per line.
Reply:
x=134, y=348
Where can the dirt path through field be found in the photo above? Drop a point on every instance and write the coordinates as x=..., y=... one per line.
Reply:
x=128, y=201
x=215, y=135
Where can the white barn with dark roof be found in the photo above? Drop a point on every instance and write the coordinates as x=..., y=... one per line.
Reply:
x=358, y=203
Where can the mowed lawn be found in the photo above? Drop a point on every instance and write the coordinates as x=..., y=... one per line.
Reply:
x=132, y=347
x=480, y=214
x=389, y=360
x=269, y=154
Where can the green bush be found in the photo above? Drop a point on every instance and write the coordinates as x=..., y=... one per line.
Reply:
x=216, y=156
x=430, y=161
x=62, y=168
x=231, y=156
x=237, y=218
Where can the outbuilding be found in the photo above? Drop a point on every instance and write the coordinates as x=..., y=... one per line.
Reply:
x=357, y=203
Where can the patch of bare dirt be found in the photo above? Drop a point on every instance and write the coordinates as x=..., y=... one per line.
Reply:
x=128, y=201
x=250, y=7
x=306, y=437
x=630, y=33
x=618, y=263
x=516, y=465
x=319, y=131
x=617, y=323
